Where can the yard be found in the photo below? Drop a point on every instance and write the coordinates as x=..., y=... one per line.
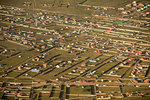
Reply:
x=80, y=90
x=17, y=60
x=108, y=89
x=134, y=89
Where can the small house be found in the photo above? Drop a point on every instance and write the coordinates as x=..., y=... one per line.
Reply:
x=35, y=70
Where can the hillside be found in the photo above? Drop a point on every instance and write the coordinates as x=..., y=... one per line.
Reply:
x=57, y=6
x=110, y=3
x=69, y=7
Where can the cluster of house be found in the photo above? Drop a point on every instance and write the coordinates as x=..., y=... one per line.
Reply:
x=12, y=10
x=130, y=9
x=13, y=89
x=40, y=57
x=103, y=95
x=138, y=80
x=45, y=19
x=135, y=6
x=25, y=66
x=140, y=70
x=134, y=49
x=27, y=3
x=4, y=51
x=64, y=63
x=26, y=90
x=101, y=44
x=78, y=71
x=134, y=94
x=27, y=38
x=53, y=4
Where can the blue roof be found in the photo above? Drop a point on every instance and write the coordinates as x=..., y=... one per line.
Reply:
x=92, y=60
x=34, y=70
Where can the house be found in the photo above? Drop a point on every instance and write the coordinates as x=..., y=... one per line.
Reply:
x=134, y=3
x=13, y=92
x=35, y=70
x=92, y=61
x=88, y=8
x=45, y=65
x=19, y=67
x=1, y=65
x=141, y=5
x=129, y=5
x=139, y=52
x=121, y=8
x=36, y=59
x=43, y=46
x=18, y=94
x=1, y=7
x=71, y=61
x=146, y=81
x=25, y=42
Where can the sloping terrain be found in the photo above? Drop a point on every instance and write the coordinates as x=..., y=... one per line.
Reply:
x=57, y=6
x=108, y=3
